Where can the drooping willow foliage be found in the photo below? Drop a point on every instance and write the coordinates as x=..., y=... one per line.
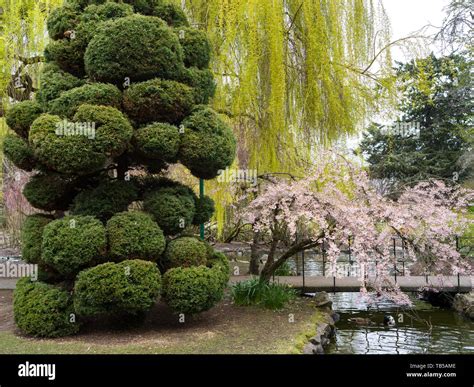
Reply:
x=22, y=39
x=295, y=74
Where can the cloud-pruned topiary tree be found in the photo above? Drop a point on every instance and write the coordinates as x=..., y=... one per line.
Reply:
x=123, y=95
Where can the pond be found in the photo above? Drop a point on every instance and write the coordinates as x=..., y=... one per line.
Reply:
x=422, y=329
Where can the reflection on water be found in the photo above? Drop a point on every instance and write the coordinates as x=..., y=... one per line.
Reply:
x=421, y=329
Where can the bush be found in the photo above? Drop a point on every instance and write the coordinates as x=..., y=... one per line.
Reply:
x=49, y=192
x=43, y=310
x=134, y=235
x=107, y=11
x=18, y=152
x=130, y=286
x=141, y=6
x=220, y=264
x=204, y=210
x=158, y=100
x=32, y=237
x=202, y=82
x=192, y=289
x=72, y=243
x=256, y=292
x=172, y=14
x=158, y=141
x=284, y=270
x=196, y=47
x=65, y=154
x=21, y=115
x=185, y=252
x=62, y=19
x=105, y=200
x=152, y=50
x=171, y=210
x=53, y=81
x=207, y=145
x=69, y=101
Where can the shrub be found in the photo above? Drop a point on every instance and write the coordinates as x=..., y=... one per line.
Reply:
x=207, y=144
x=49, y=192
x=62, y=19
x=185, y=252
x=158, y=141
x=21, y=115
x=257, y=292
x=72, y=243
x=65, y=154
x=43, y=310
x=284, y=270
x=134, y=235
x=69, y=101
x=204, y=210
x=172, y=211
x=220, y=264
x=202, y=82
x=32, y=237
x=172, y=14
x=192, y=289
x=107, y=11
x=152, y=50
x=158, y=100
x=18, y=152
x=53, y=81
x=141, y=6
x=129, y=286
x=105, y=200
x=196, y=47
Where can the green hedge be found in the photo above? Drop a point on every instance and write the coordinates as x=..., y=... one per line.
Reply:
x=72, y=243
x=18, y=152
x=21, y=115
x=196, y=47
x=49, y=192
x=129, y=286
x=158, y=141
x=185, y=252
x=202, y=82
x=105, y=200
x=32, y=237
x=134, y=235
x=158, y=100
x=152, y=50
x=172, y=14
x=43, y=310
x=204, y=210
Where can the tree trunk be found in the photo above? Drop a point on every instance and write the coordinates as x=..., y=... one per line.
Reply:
x=254, y=258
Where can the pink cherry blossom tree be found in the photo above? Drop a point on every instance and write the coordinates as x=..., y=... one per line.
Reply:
x=336, y=201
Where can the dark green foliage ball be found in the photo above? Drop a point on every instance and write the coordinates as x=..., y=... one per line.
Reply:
x=152, y=50
x=158, y=141
x=158, y=100
x=144, y=7
x=207, y=145
x=69, y=101
x=107, y=11
x=202, y=82
x=18, y=152
x=62, y=19
x=69, y=154
x=72, y=243
x=185, y=252
x=134, y=235
x=172, y=211
x=43, y=310
x=220, y=264
x=131, y=286
x=49, y=192
x=196, y=47
x=113, y=130
x=32, y=237
x=21, y=115
x=105, y=200
x=172, y=14
x=53, y=81
x=192, y=289
x=204, y=210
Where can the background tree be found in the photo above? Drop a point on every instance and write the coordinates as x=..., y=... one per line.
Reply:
x=123, y=95
x=436, y=96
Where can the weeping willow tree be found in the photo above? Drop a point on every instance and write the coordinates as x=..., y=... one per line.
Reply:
x=294, y=75
x=22, y=39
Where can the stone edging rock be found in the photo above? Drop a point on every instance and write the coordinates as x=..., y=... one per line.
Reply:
x=464, y=304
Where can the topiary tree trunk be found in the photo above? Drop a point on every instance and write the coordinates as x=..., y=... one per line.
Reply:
x=123, y=95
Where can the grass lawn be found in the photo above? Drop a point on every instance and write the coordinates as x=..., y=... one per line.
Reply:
x=225, y=329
